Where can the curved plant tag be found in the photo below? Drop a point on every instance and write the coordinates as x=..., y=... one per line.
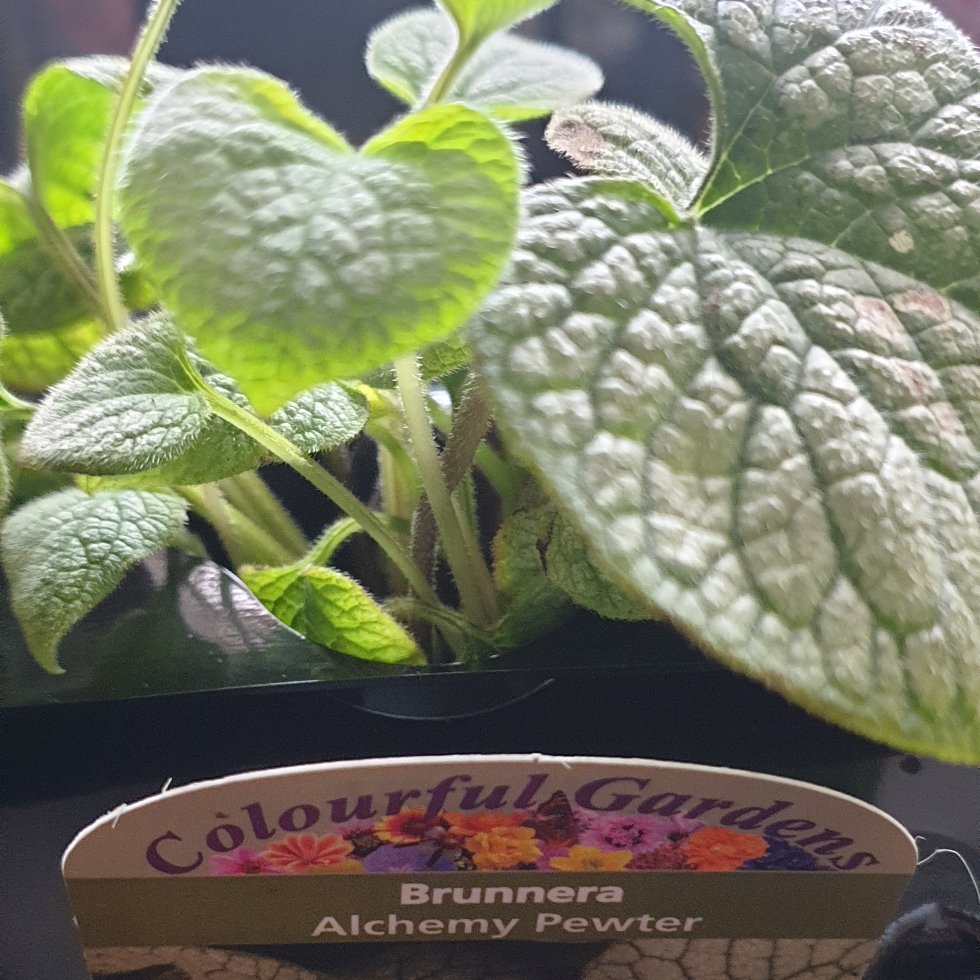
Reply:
x=293, y=260
x=772, y=441
x=514, y=867
x=478, y=19
x=620, y=142
x=129, y=408
x=331, y=609
x=64, y=553
x=509, y=77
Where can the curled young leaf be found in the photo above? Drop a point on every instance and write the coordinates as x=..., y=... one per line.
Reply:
x=509, y=77
x=331, y=609
x=64, y=553
x=620, y=142
x=294, y=261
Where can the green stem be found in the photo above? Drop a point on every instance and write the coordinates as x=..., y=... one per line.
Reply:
x=284, y=450
x=448, y=623
x=245, y=542
x=59, y=246
x=249, y=494
x=470, y=573
x=464, y=51
x=111, y=301
x=331, y=540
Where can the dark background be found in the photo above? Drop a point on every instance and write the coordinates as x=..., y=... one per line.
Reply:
x=317, y=46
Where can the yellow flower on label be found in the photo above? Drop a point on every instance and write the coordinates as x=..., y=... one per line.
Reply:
x=582, y=858
x=504, y=847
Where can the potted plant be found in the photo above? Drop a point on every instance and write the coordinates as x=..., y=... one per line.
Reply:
x=730, y=390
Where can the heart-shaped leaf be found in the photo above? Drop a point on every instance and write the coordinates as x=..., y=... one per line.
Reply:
x=294, y=261
x=509, y=77
x=129, y=408
x=329, y=608
x=851, y=124
x=620, y=142
x=478, y=19
x=772, y=441
x=64, y=553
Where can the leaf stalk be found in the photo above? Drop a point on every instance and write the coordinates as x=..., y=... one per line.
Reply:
x=476, y=590
x=150, y=39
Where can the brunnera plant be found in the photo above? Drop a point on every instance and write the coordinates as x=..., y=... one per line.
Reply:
x=737, y=389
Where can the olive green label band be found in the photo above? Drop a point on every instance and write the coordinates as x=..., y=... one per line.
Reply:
x=580, y=907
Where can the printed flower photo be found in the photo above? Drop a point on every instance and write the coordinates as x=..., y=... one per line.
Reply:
x=554, y=836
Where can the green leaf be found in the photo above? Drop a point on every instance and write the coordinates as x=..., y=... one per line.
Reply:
x=66, y=110
x=129, y=408
x=64, y=553
x=333, y=610
x=292, y=260
x=508, y=77
x=478, y=19
x=853, y=125
x=620, y=142
x=321, y=418
x=35, y=296
x=533, y=605
x=772, y=442
x=570, y=567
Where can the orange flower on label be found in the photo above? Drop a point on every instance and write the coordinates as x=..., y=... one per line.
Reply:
x=306, y=853
x=721, y=849
x=582, y=858
x=503, y=847
x=407, y=827
x=467, y=824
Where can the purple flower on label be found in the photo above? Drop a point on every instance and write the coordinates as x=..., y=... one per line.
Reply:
x=637, y=833
x=241, y=861
x=783, y=856
x=682, y=826
x=414, y=857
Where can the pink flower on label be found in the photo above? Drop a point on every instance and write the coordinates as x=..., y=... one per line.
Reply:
x=634, y=832
x=241, y=861
x=305, y=852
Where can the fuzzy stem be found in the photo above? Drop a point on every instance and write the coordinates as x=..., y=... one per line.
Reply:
x=470, y=573
x=111, y=301
x=464, y=51
x=330, y=486
x=59, y=246
x=331, y=540
x=245, y=542
x=468, y=429
x=249, y=493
